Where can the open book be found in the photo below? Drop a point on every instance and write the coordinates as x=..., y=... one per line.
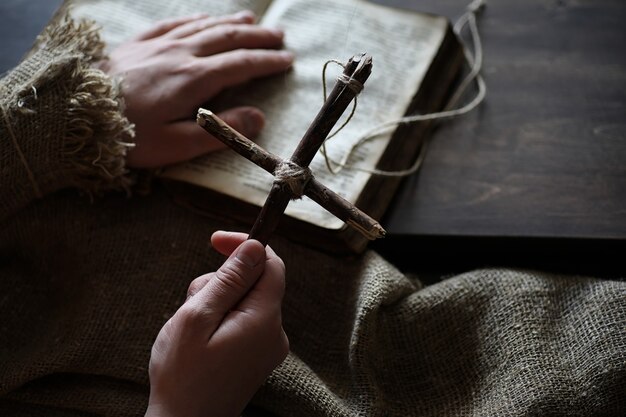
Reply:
x=416, y=59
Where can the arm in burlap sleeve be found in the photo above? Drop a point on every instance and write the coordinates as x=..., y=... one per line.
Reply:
x=62, y=123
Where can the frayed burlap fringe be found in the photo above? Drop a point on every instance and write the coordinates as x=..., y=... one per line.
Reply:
x=98, y=134
x=81, y=37
x=95, y=133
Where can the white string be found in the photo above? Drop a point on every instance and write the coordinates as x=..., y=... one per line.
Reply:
x=350, y=82
x=475, y=62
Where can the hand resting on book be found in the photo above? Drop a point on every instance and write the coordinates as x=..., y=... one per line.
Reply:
x=170, y=70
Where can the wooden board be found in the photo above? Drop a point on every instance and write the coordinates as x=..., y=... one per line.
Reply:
x=543, y=161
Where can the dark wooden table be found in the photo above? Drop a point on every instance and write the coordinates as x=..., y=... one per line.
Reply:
x=537, y=175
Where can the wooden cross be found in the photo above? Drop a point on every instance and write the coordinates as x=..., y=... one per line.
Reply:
x=297, y=179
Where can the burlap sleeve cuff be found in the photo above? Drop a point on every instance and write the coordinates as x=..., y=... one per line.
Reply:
x=62, y=120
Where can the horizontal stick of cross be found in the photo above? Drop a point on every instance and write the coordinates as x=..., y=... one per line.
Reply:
x=293, y=177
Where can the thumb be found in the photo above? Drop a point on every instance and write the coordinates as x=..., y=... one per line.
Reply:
x=229, y=284
x=183, y=140
x=246, y=120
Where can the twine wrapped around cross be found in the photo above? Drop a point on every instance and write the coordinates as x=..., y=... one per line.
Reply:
x=293, y=178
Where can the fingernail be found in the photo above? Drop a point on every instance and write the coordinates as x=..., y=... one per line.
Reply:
x=250, y=253
x=287, y=56
x=278, y=32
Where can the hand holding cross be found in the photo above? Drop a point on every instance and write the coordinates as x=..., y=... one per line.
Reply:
x=293, y=177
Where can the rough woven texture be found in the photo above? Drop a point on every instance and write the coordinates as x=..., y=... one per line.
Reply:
x=85, y=287
x=67, y=116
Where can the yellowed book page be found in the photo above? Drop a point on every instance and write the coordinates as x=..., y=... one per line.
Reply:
x=403, y=45
x=123, y=19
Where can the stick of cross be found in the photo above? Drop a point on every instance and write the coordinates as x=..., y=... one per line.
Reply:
x=293, y=178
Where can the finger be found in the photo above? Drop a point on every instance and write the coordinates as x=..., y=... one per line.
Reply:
x=246, y=120
x=164, y=26
x=264, y=301
x=228, y=69
x=197, y=284
x=226, y=242
x=229, y=37
x=181, y=141
x=175, y=142
x=198, y=25
x=229, y=284
x=267, y=294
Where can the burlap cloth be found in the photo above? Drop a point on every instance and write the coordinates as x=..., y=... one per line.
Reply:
x=86, y=284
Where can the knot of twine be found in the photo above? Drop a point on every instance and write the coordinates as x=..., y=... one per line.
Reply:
x=294, y=176
x=353, y=84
